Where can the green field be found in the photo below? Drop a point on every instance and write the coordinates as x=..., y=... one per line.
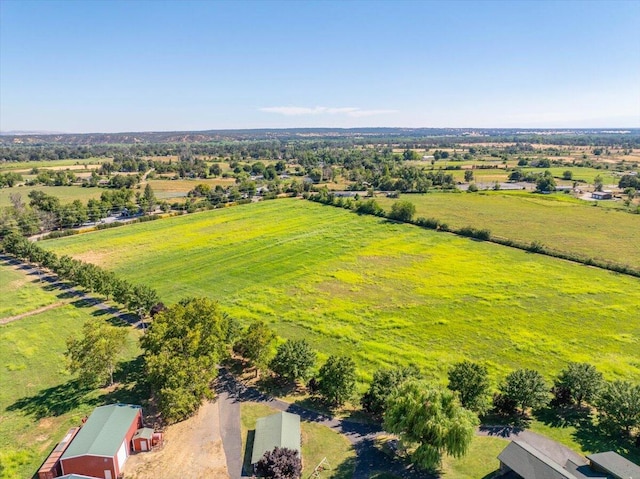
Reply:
x=39, y=400
x=381, y=292
x=21, y=293
x=557, y=221
x=51, y=164
x=66, y=194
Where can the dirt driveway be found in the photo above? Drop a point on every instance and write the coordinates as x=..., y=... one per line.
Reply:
x=192, y=450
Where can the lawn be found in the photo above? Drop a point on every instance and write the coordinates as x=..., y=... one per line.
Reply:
x=317, y=443
x=479, y=463
x=21, y=292
x=558, y=221
x=39, y=399
x=381, y=292
x=66, y=194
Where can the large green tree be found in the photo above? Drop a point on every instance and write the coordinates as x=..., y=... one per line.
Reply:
x=385, y=383
x=402, y=211
x=255, y=344
x=182, y=347
x=337, y=379
x=294, y=360
x=619, y=406
x=471, y=381
x=94, y=356
x=432, y=420
x=526, y=388
x=578, y=382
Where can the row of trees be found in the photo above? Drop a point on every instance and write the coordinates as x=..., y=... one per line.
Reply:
x=138, y=299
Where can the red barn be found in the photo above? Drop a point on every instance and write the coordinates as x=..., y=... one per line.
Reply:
x=103, y=444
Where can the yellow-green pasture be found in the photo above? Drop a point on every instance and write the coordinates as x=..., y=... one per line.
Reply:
x=66, y=194
x=558, y=221
x=39, y=400
x=380, y=292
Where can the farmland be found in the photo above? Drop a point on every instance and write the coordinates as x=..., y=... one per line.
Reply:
x=381, y=292
x=39, y=400
x=558, y=221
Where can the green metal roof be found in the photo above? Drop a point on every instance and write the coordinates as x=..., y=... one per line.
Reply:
x=103, y=432
x=144, y=433
x=278, y=430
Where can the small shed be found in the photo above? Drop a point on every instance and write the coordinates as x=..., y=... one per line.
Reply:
x=601, y=195
x=278, y=430
x=102, y=446
x=51, y=466
x=142, y=439
x=615, y=465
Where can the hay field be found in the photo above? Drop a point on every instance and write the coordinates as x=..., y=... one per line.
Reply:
x=381, y=292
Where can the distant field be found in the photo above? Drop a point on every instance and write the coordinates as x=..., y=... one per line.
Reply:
x=21, y=293
x=38, y=400
x=557, y=221
x=52, y=164
x=66, y=193
x=381, y=292
x=173, y=189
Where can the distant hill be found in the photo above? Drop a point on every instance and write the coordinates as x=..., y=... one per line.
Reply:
x=472, y=134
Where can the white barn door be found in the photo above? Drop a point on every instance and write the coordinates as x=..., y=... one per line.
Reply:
x=121, y=457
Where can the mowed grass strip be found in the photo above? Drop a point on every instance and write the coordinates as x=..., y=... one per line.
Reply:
x=39, y=400
x=380, y=292
x=21, y=293
x=558, y=221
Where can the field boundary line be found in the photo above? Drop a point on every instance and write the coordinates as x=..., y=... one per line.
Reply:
x=32, y=312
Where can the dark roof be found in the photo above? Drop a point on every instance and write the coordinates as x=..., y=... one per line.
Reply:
x=103, y=432
x=529, y=463
x=278, y=430
x=615, y=464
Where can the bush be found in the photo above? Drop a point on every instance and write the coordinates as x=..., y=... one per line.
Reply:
x=402, y=211
x=281, y=463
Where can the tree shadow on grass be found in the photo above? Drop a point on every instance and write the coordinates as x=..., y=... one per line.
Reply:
x=344, y=470
x=63, y=398
x=53, y=401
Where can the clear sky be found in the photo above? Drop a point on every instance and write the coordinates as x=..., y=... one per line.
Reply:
x=108, y=66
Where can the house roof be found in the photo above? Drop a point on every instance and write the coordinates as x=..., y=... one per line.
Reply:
x=529, y=463
x=615, y=464
x=103, y=432
x=143, y=433
x=278, y=430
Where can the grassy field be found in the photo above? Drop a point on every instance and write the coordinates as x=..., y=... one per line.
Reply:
x=39, y=399
x=317, y=443
x=66, y=193
x=21, y=293
x=381, y=292
x=176, y=189
x=52, y=164
x=479, y=463
x=558, y=221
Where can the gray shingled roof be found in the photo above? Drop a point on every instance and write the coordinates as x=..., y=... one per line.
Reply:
x=616, y=465
x=529, y=463
x=278, y=430
x=103, y=432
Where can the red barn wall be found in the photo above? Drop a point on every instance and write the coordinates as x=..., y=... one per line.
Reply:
x=90, y=466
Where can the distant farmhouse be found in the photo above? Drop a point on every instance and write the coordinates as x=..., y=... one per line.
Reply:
x=100, y=448
x=520, y=460
x=602, y=195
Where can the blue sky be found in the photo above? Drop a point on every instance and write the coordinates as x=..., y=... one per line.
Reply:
x=92, y=66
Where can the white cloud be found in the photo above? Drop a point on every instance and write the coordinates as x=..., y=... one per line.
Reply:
x=323, y=110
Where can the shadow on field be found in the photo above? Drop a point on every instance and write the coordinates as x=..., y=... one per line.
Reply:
x=591, y=436
x=53, y=401
x=132, y=388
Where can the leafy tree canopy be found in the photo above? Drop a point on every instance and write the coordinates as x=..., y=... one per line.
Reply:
x=471, y=381
x=433, y=420
x=526, y=388
x=294, y=360
x=385, y=383
x=337, y=379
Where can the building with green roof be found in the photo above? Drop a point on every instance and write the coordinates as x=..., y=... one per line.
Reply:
x=278, y=430
x=103, y=444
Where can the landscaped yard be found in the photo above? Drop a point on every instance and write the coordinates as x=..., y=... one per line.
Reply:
x=317, y=443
